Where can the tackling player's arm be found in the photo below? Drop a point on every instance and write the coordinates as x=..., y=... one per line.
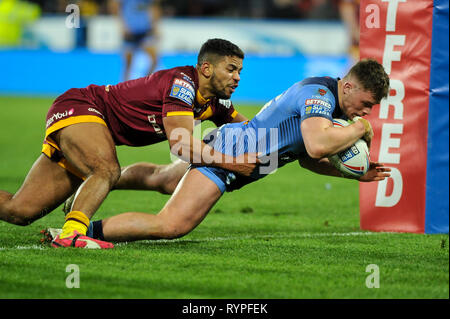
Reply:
x=182, y=144
x=322, y=139
x=376, y=172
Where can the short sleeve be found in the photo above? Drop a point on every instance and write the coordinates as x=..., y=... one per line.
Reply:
x=179, y=97
x=316, y=101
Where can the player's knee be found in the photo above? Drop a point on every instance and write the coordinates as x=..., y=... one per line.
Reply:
x=22, y=216
x=168, y=178
x=174, y=231
x=21, y=220
x=110, y=172
x=159, y=179
x=115, y=175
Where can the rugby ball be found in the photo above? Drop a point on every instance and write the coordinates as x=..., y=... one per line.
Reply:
x=354, y=161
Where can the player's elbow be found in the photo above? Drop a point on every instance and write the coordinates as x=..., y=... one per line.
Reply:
x=316, y=151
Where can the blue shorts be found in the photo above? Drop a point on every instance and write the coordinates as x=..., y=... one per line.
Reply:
x=224, y=179
x=134, y=41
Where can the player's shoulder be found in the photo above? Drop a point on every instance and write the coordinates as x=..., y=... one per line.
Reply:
x=322, y=88
x=182, y=83
x=182, y=76
x=323, y=84
x=187, y=72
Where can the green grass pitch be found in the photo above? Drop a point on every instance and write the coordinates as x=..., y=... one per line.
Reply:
x=292, y=235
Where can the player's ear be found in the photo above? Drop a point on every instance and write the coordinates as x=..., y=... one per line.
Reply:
x=207, y=69
x=347, y=86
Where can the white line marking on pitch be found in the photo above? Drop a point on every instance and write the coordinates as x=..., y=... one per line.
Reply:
x=210, y=239
x=279, y=236
x=36, y=247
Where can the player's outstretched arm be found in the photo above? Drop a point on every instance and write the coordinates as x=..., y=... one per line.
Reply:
x=377, y=171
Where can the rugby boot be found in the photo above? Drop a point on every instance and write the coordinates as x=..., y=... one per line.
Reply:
x=78, y=240
x=49, y=234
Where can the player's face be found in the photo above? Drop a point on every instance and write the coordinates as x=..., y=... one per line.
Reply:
x=357, y=101
x=226, y=76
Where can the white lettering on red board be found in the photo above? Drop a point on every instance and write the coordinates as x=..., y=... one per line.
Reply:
x=392, y=53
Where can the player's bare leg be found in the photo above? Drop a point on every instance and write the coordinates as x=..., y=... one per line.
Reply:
x=128, y=57
x=146, y=176
x=153, y=177
x=152, y=52
x=90, y=149
x=46, y=186
x=193, y=198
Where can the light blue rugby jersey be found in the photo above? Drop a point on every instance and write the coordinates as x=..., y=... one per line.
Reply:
x=275, y=130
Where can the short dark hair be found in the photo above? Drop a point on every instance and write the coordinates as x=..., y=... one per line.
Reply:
x=372, y=76
x=214, y=49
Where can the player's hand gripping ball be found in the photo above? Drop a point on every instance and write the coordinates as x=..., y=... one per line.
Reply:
x=355, y=160
x=368, y=131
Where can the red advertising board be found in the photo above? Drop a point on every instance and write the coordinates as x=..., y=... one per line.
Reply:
x=397, y=33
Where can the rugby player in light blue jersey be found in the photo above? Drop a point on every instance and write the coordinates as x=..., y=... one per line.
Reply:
x=140, y=22
x=296, y=125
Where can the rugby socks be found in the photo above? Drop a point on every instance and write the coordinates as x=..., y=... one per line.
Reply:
x=90, y=230
x=75, y=221
x=97, y=230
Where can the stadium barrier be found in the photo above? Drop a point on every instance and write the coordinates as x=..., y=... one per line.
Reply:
x=44, y=72
x=254, y=36
x=411, y=126
x=272, y=46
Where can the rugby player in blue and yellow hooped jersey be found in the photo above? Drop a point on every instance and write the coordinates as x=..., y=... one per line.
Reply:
x=296, y=125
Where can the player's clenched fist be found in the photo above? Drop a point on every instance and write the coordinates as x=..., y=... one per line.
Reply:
x=368, y=131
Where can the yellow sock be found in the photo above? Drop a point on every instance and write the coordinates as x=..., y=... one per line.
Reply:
x=75, y=221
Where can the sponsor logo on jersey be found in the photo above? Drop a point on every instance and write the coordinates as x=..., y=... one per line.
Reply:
x=182, y=91
x=58, y=116
x=226, y=103
x=184, y=84
x=315, y=109
x=318, y=102
x=308, y=110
